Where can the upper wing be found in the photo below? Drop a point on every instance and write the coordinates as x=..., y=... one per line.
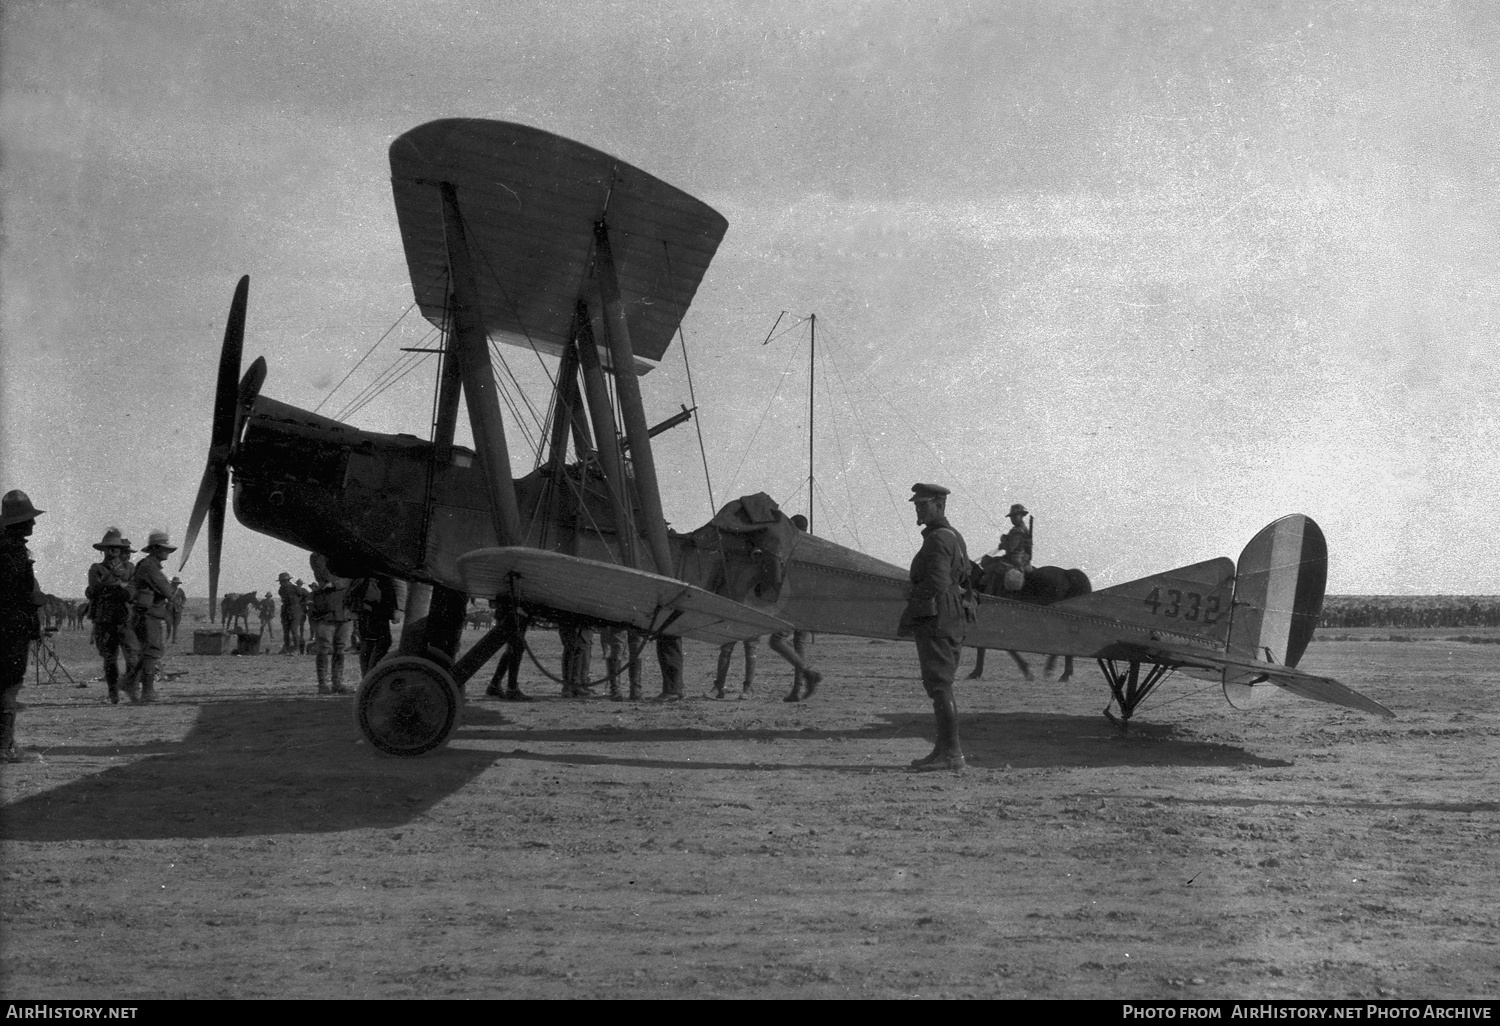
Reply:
x=616, y=594
x=529, y=201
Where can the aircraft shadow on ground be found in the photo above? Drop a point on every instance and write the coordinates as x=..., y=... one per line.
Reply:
x=990, y=740
x=252, y=767
x=247, y=767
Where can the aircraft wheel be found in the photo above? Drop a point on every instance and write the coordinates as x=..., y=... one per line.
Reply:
x=407, y=706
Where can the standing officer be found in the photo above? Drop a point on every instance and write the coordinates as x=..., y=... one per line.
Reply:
x=938, y=610
x=332, y=625
x=20, y=618
x=178, y=604
x=108, y=594
x=266, y=607
x=505, y=683
x=291, y=611
x=303, y=595
x=152, y=604
x=381, y=601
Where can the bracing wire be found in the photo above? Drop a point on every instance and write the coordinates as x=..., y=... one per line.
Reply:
x=864, y=431
x=392, y=371
x=844, y=474
x=692, y=395
x=697, y=422
x=398, y=367
x=420, y=358
x=886, y=402
x=362, y=359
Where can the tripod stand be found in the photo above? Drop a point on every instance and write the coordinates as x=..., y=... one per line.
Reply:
x=44, y=658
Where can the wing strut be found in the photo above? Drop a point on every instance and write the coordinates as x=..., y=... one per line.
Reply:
x=596, y=393
x=471, y=345
x=617, y=338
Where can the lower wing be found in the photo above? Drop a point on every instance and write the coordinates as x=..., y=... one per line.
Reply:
x=611, y=593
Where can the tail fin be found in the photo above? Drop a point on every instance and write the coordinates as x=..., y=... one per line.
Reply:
x=1278, y=598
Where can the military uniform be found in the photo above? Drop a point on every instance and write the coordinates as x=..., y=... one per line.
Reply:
x=267, y=609
x=378, y=601
x=21, y=601
x=726, y=656
x=152, y=606
x=291, y=614
x=174, y=612
x=622, y=651
x=332, y=625
x=505, y=683
x=109, y=601
x=1015, y=544
x=936, y=617
x=577, y=654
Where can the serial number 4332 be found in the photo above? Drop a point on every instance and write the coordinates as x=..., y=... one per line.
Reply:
x=1188, y=605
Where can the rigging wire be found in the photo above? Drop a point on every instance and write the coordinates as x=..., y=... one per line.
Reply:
x=392, y=370
x=745, y=454
x=843, y=459
x=697, y=422
x=887, y=402
x=692, y=395
x=419, y=359
x=403, y=360
x=362, y=359
x=863, y=429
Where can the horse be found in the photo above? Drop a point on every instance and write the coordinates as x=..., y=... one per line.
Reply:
x=234, y=608
x=1040, y=585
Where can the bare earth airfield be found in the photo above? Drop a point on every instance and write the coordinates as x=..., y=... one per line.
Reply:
x=239, y=840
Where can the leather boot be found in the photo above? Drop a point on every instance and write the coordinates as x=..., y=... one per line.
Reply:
x=321, y=663
x=131, y=687
x=112, y=681
x=721, y=673
x=9, y=750
x=946, y=754
x=612, y=671
x=338, y=675
x=148, y=688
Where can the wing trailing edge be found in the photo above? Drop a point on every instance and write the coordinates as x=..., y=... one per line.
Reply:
x=529, y=201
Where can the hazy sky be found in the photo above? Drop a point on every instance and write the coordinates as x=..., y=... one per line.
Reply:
x=1161, y=271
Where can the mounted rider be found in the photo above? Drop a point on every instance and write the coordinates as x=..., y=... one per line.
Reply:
x=1006, y=568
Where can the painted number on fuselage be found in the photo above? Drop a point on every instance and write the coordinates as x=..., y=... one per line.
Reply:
x=1187, y=605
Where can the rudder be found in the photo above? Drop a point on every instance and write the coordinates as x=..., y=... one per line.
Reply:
x=1278, y=598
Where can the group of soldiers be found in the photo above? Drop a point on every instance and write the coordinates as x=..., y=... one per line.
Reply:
x=337, y=607
x=132, y=606
x=135, y=610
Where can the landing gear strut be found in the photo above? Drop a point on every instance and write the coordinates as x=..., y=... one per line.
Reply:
x=1129, y=687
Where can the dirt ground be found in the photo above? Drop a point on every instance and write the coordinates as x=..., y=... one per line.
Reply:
x=238, y=840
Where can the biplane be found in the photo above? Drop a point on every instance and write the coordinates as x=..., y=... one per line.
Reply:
x=516, y=236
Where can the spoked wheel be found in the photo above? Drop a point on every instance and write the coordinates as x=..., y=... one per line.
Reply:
x=407, y=706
